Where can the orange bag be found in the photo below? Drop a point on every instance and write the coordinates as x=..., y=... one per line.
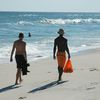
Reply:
x=68, y=67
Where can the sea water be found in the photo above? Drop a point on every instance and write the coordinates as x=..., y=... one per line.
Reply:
x=81, y=29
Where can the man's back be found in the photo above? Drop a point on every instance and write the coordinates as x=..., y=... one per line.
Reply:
x=61, y=43
x=20, y=47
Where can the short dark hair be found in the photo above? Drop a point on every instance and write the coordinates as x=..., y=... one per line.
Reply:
x=21, y=35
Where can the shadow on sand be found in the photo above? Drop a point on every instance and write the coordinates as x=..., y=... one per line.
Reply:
x=49, y=85
x=9, y=88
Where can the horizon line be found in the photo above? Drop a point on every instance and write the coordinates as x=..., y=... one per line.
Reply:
x=53, y=11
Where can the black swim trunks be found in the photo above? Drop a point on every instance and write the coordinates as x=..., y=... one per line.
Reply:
x=20, y=61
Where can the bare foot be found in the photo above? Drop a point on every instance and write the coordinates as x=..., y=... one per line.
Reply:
x=20, y=81
x=16, y=83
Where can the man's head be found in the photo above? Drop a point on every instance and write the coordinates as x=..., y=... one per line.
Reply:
x=60, y=32
x=21, y=35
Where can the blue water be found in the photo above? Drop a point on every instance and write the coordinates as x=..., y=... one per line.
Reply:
x=81, y=29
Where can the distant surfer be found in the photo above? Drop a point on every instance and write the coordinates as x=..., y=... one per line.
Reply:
x=29, y=34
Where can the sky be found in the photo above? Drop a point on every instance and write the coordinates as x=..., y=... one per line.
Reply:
x=50, y=5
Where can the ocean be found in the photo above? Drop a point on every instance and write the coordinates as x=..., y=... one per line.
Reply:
x=81, y=29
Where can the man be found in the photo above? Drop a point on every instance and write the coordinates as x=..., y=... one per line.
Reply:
x=19, y=46
x=61, y=43
x=29, y=34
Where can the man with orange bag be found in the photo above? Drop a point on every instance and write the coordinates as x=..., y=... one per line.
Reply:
x=61, y=43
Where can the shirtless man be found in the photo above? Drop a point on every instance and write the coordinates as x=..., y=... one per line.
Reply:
x=61, y=43
x=19, y=46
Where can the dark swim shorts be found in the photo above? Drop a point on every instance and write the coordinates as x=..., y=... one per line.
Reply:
x=20, y=60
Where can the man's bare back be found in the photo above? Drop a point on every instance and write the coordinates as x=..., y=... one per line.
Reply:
x=19, y=45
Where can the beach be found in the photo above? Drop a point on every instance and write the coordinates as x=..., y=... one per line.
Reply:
x=40, y=83
x=83, y=33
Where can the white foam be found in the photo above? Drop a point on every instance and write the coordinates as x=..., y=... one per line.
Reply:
x=36, y=51
x=69, y=21
x=39, y=51
x=24, y=23
x=83, y=48
x=57, y=21
x=53, y=21
x=5, y=54
x=32, y=52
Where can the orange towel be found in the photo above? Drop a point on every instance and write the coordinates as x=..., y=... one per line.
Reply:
x=61, y=58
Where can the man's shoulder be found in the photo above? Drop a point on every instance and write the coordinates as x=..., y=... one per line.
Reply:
x=17, y=41
x=60, y=38
x=64, y=38
x=23, y=41
x=57, y=38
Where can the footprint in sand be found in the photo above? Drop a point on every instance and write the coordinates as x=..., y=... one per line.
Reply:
x=49, y=72
x=93, y=69
x=90, y=88
x=95, y=83
x=22, y=97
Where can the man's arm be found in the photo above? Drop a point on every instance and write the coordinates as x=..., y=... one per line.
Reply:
x=13, y=48
x=67, y=49
x=54, y=50
x=25, y=52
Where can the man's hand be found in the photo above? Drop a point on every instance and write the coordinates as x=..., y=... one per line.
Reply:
x=69, y=56
x=11, y=59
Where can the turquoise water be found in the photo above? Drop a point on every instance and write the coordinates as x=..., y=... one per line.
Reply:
x=81, y=29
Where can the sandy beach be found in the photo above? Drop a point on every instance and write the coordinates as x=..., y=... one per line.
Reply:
x=40, y=83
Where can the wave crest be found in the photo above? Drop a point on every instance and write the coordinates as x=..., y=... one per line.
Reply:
x=69, y=21
x=24, y=23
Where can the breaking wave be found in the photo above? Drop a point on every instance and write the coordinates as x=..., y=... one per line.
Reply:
x=69, y=21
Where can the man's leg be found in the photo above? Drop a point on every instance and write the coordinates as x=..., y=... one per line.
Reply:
x=60, y=71
x=18, y=76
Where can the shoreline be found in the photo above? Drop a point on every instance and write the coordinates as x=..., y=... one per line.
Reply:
x=88, y=51
x=79, y=53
